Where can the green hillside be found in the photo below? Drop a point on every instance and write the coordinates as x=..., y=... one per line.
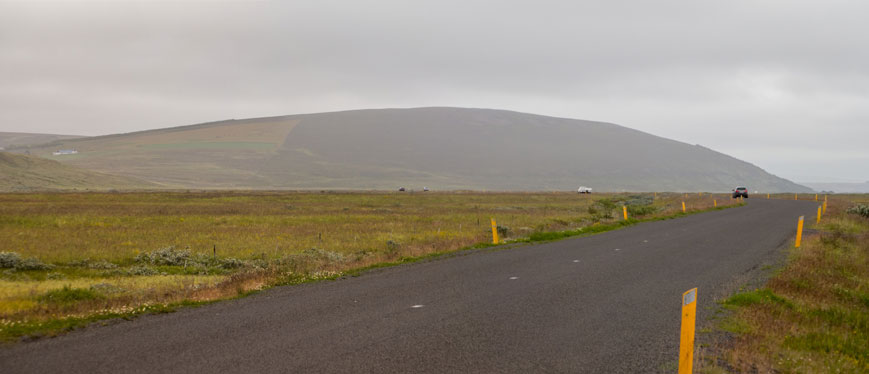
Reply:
x=442, y=148
x=28, y=173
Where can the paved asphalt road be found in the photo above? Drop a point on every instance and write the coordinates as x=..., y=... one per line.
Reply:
x=601, y=304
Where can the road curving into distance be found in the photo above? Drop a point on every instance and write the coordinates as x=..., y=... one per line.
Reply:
x=607, y=303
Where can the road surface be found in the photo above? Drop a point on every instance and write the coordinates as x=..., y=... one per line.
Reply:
x=607, y=303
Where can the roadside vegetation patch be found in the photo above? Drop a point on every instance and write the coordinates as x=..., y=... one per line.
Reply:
x=68, y=295
x=78, y=256
x=813, y=315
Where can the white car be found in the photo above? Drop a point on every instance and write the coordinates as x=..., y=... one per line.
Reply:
x=583, y=189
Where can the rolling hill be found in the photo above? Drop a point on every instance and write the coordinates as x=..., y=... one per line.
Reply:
x=23, y=139
x=442, y=148
x=28, y=173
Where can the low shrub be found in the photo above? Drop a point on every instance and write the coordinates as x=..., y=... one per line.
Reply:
x=323, y=254
x=639, y=200
x=231, y=263
x=142, y=270
x=33, y=264
x=90, y=264
x=8, y=260
x=170, y=256
x=165, y=256
x=392, y=247
x=602, y=209
x=606, y=204
x=860, y=210
x=12, y=260
x=67, y=295
x=641, y=210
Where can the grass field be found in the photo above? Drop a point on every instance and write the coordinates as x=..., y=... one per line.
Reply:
x=77, y=255
x=813, y=315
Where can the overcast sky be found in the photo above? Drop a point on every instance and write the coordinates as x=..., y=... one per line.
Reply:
x=781, y=84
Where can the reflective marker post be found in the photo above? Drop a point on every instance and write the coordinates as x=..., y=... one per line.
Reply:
x=819, y=214
x=683, y=207
x=799, y=233
x=494, y=232
x=625, y=211
x=686, y=341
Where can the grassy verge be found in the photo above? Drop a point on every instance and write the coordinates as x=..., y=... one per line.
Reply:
x=813, y=315
x=51, y=284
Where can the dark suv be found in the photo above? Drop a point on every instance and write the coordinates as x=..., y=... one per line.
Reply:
x=740, y=191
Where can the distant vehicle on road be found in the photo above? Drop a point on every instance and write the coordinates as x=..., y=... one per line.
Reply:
x=583, y=189
x=740, y=191
x=401, y=189
x=424, y=189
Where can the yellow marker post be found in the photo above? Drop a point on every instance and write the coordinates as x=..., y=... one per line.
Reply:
x=824, y=211
x=686, y=340
x=795, y=196
x=625, y=210
x=799, y=233
x=819, y=214
x=767, y=196
x=683, y=207
x=494, y=232
x=715, y=203
x=816, y=197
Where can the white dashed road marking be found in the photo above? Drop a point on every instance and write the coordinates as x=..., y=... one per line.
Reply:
x=418, y=306
x=513, y=278
x=575, y=260
x=618, y=249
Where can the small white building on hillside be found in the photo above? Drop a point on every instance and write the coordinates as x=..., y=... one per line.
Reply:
x=61, y=152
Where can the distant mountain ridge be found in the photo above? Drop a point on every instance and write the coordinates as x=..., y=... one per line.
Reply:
x=840, y=187
x=437, y=147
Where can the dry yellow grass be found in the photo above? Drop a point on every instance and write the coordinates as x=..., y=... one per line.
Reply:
x=68, y=227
